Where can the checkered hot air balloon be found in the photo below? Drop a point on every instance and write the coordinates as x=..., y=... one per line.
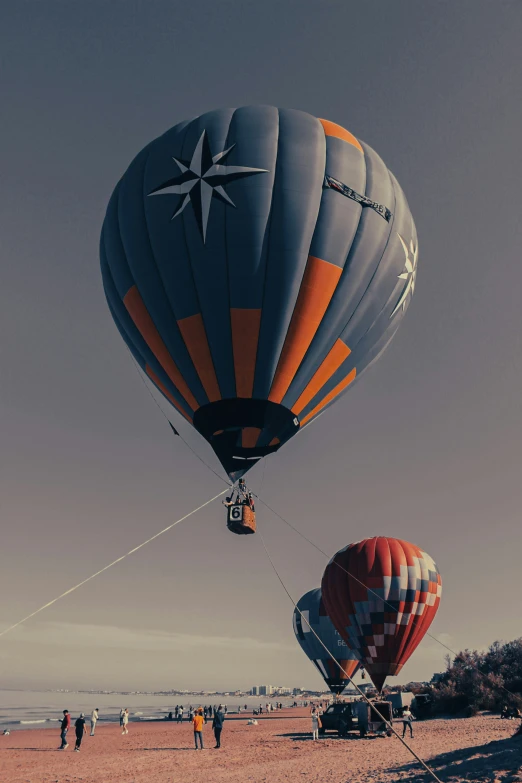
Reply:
x=256, y=261
x=382, y=595
x=310, y=618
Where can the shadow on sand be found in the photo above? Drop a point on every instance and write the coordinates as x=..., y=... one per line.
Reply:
x=157, y=750
x=480, y=763
x=306, y=736
x=37, y=750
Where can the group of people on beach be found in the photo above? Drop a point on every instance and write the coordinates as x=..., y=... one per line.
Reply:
x=208, y=712
x=80, y=728
x=268, y=708
x=198, y=718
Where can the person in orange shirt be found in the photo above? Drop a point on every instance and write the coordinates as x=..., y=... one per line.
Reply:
x=197, y=721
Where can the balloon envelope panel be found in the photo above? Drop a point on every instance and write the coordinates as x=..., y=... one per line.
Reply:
x=311, y=618
x=256, y=261
x=382, y=595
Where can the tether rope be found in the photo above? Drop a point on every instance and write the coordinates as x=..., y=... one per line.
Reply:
x=110, y=565
x=346, y=675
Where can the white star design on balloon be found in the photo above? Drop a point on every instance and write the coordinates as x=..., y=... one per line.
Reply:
x=409, y=275
x=201, y=179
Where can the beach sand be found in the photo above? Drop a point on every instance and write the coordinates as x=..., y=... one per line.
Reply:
x=278, y=749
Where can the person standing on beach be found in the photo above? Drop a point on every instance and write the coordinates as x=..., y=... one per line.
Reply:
x=407, y=719
x=64, y=728
x=94, y=718
x=125, y=721
x=80, y=729
x=197, y=722
x=217, y=725
x=121, y=716
x=316, y=724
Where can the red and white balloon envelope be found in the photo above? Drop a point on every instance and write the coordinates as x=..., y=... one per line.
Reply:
x=382, y=595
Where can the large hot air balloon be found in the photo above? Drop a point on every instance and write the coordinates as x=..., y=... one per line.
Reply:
x=313, y=614
x=382, y=595
x=256, y=261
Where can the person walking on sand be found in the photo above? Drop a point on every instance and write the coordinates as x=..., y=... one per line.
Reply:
x=217, y=725
x=316, y=724
x=407, y=719
x=80, y=729
x=64, y=728
x=125, y=721
x=121, y=716
x=94, y=718
x=197, y=722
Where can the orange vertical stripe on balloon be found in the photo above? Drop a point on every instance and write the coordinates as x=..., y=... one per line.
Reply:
x=336, y=356
x=332, y=129
x=245, y=325
x=145, y=325
x=317, y=287
x=163, y=389
x=330, y=396
x=194, y=335
x=249, y=436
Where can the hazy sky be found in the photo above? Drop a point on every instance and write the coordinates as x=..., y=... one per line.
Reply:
x=427, y=447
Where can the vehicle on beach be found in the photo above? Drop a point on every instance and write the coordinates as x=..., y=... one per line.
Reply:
x=370, y=717
x=400, y=701
x=421, y=706
x=340, y=717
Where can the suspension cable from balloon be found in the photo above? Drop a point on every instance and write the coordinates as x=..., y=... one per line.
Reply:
x=142, y=378
x=114, y=562
x=516, y=696
x=344, y=673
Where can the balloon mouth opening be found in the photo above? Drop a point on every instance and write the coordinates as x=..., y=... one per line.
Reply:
x=243, y=431
x=337, y=686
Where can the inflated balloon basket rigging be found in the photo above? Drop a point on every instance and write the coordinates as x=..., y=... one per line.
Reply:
x=241, y=519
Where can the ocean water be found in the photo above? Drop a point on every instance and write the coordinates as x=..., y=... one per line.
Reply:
x=43, y=709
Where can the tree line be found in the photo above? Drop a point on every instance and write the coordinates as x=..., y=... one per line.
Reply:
x=475, y=681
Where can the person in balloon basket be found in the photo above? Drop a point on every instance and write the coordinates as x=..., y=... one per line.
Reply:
x=407, y=719
x=228, y=501
x=64, y=728
x=197, y=721
x=217, y=725
x=80, y=728
x=316, y=723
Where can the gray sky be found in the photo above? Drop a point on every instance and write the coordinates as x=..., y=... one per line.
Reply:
x=427, y=447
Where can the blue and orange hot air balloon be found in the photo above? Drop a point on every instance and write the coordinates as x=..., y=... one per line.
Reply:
x=382, y=595
x=256, y=261
x=313, y=629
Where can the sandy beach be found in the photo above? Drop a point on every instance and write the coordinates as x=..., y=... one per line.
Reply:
x=278, y=749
